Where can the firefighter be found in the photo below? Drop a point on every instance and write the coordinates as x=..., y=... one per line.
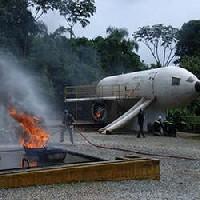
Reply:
x=159, y=126
x=161, y=131
x=141, y=123
x=68, y=120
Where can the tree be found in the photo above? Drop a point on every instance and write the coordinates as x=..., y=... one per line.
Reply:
x=59, y=31
x=160, y=40
x=17, y=25
x=117, y=33
x=189, y=39
x=121, y=35
x=42, y=6
x=77, y=11
x=64, y=61
x=116, y=52
x=191, y=63
x=188, y=48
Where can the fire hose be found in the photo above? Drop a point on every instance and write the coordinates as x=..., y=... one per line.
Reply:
x=132, y=151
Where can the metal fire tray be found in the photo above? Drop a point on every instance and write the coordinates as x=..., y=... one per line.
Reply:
x=45, y=154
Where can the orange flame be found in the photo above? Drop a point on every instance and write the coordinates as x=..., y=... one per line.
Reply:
x=34, y=136
x=98, y=114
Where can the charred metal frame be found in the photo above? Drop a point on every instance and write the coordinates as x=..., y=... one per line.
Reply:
x=73, y=95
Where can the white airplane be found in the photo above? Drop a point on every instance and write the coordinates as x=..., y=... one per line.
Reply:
x=118, y=99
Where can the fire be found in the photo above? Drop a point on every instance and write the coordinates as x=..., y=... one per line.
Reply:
x=98, y=114
x=34, y=136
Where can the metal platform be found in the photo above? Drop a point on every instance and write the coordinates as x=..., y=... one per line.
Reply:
x=90, y=169
x=95, y=92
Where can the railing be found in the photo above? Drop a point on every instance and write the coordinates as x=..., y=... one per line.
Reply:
x=89, y=91
x=80, y=91
x=118, y=91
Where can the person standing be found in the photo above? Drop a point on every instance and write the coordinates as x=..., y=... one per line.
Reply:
x=68, y=120
x=160, y=125
x=70, y=127
x=141, y=123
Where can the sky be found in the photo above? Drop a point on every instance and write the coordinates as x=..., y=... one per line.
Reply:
x=132, y=14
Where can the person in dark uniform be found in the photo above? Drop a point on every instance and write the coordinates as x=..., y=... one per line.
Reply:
x=68, y=120
x=161, y=125
x=141, y=123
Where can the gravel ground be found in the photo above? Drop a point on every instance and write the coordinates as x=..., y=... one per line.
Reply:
x=180, y=178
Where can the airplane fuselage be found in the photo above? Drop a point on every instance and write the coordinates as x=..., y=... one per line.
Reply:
x=171, y=86
x=118, y=99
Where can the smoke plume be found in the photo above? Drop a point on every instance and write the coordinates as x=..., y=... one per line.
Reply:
x=17, y=88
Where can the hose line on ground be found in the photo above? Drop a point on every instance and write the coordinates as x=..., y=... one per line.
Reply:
x=131, y=151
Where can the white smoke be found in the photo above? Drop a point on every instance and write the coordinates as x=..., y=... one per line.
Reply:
x=19, y=89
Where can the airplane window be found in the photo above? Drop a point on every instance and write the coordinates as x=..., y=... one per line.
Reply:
x=190, y=79
x=176, y=81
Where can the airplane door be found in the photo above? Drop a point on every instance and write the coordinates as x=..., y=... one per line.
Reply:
x=147, y=84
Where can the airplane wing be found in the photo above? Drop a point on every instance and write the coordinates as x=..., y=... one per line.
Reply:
x=109, y=98
x=127, y=116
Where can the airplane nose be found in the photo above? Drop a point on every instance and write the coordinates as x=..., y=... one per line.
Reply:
x=197, y=86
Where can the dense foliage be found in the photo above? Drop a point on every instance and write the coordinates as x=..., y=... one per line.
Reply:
x=77, y=11
x=17, y=25
x=189, y=39
x=116, y=52
x=188, y=50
